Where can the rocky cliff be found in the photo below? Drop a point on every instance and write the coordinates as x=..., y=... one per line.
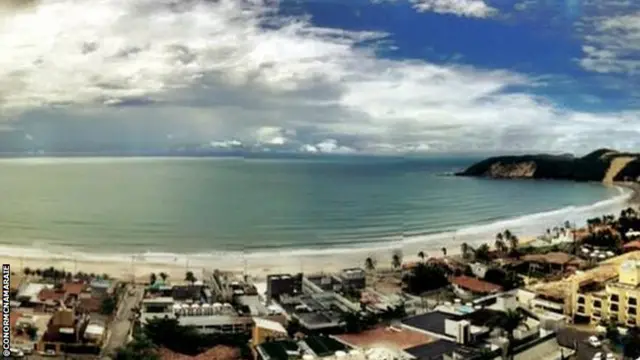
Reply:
x=601, y=165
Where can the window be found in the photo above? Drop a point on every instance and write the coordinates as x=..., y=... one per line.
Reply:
x=597, y=304
x=615, y=297
x=633, y=301
x=596, y=314
x=632, y=310
x=613, y=318
x=614, y=307
x=581, y=309
x=580, y=300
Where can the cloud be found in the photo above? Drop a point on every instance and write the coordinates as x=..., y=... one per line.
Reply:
x=466, y=8
x=612, y=44
x=230, y=70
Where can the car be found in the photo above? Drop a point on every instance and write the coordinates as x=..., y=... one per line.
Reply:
x=595, y=342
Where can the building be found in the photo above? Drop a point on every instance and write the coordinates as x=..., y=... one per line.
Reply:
x=100, y=288
x=267, y=330
x=27, y=293
x=318, y=312
x=466, y=332
x=207, y=318
x=283, y=284
x=354, y=278
x=467, y=287
x=615, y=300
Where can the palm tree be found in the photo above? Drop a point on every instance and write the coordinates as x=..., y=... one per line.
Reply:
x=513, y=242
x=444, y=251
x=465, y=250
x=152, y=278
x=500, y=246
x=499, y=237
x=164, y=277
x=190, y=277
x=507, y=234
x=421, y=255
x=370, y=264
x=396, y=260
x=27, y=271
x=508, y=321
x=567, y=224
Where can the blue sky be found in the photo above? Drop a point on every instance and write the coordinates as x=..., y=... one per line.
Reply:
x=386, y=76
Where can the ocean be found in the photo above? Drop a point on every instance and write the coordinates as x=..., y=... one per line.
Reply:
x=167, y=207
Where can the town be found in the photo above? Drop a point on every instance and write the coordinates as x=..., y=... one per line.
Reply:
x=571, y=293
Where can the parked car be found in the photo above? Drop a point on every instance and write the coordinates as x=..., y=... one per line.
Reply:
x=595, y=342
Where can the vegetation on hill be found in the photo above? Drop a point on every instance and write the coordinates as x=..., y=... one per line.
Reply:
x=591, y=167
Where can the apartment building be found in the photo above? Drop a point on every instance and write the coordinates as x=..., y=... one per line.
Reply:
x=610, y=301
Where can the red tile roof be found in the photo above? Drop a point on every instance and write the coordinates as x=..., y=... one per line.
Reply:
x=89, y=304
x=13, y=318
x=635, y=244
x=220, y=352
x=475, y=285
x=51, y=294
x=74, y=288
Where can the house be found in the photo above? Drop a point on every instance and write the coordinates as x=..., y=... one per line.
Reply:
x=28, y=293
x=551, y=262
x=353, y=278
x=466, y=286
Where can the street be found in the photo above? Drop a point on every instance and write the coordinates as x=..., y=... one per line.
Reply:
x=121, y=324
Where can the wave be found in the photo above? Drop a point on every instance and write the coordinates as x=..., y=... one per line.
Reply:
x=527, y=225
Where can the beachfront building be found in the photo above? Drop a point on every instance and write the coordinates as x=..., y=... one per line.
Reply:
x=207, y=318
x=613, y=300
x=469, y=287
x=283, y=284
x=353, y=278
x=321, y=312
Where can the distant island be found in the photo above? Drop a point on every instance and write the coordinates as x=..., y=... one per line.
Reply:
x=604, y=165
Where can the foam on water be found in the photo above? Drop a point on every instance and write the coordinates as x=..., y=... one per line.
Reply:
x=528, y=225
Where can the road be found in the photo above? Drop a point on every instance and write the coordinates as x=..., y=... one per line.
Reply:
x=121, y=324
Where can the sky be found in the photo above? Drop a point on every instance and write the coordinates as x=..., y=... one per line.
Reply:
x=320, y=76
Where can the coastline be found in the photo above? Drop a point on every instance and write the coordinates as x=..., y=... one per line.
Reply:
x=258, y=265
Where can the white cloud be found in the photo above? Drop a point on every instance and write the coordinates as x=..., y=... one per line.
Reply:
x=467, y=8
x=613, y=45
x=213, y=72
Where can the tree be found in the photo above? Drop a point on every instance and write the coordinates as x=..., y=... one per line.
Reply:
x=631, y=343
x=424, y=277
x=482, y=253
x=513, y=242
x=293, y=327
x=27, y=271
x=370, y=264
x=500, y=246
x=31, y=331
x=444, y=251
x=141, y=348
x=396, y=260
x=465, y=249
x=164, y=277
x=190, y=277
x=507, y=234
x=507, y=279
x=508, y=321
x=152, y=279
x=499, y=237
x=352, y=322
x=108, y=305
x=421, y=255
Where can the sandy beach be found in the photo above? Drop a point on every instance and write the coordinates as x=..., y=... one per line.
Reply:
x=257, y=266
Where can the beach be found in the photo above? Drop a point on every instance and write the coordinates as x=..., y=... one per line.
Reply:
x=257, y=265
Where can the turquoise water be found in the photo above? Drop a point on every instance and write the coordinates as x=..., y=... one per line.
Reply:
x=174, y=205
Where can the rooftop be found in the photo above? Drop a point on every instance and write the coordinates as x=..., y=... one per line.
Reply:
x=433, y=350
x=475, y=285
x=393, y=337
x=269, y=325
x=278, y=350
x=555, y=258
x=635, y=244
x=432, y=322
x=324, y=345
x=74, y=288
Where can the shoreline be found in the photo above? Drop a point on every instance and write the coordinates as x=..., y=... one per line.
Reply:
x=260, y=263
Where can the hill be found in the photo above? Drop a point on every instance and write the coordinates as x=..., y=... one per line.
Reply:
x=601, y=165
